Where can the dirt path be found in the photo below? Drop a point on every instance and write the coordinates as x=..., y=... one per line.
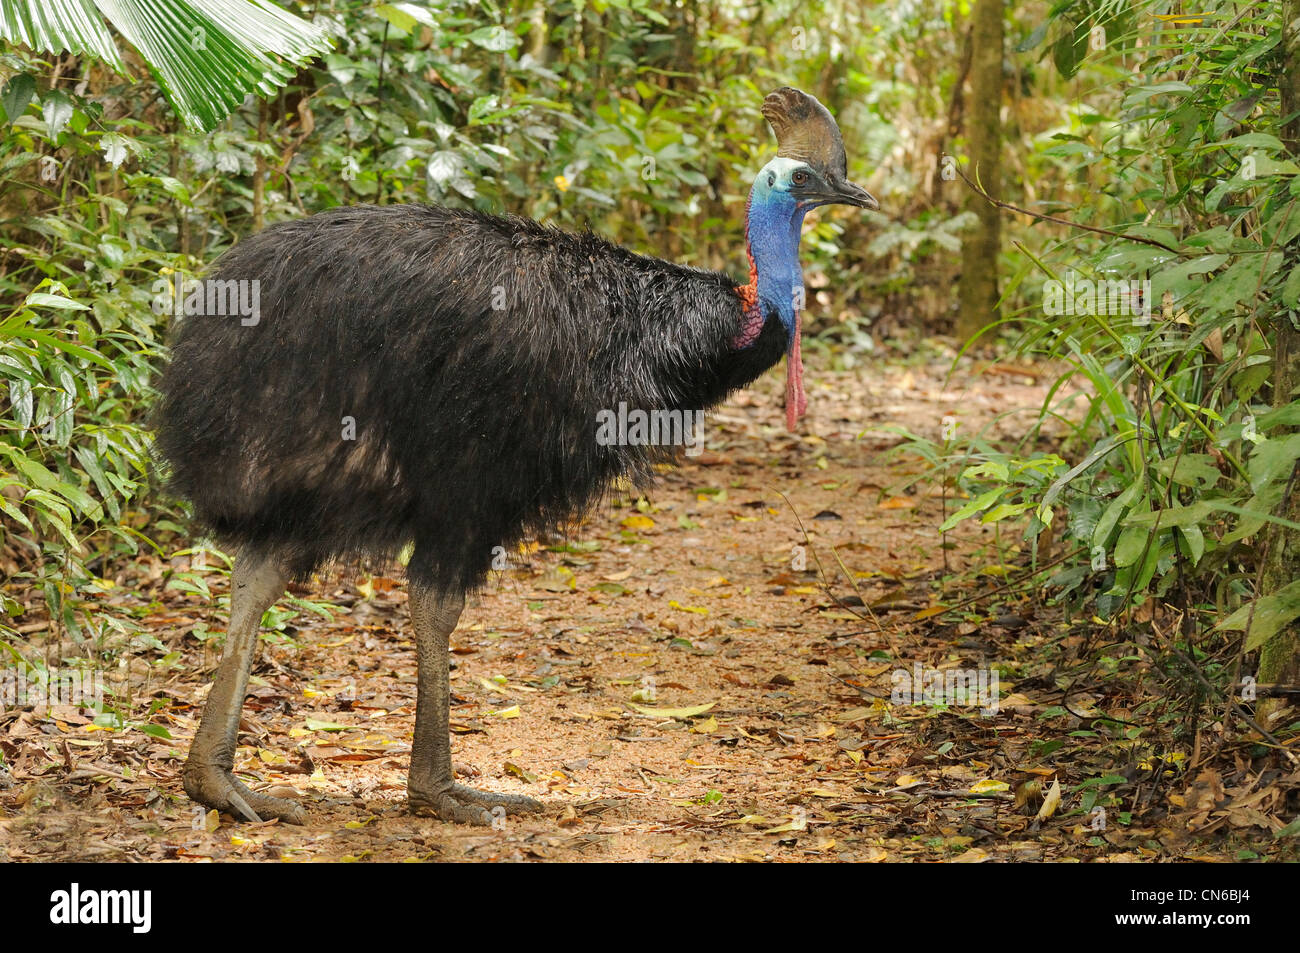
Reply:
x=703, y=598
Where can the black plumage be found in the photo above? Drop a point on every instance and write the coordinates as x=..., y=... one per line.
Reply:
x=473, y=354
x=422, y=375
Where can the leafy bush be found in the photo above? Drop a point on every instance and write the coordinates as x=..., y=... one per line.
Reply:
x=1177, y=450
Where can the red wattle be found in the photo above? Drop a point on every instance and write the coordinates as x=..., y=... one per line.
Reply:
x=796, y=401
x=751, y=321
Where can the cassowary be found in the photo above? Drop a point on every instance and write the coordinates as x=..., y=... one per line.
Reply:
x=433, y=377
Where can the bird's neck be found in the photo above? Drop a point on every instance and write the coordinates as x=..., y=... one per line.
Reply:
x=772, y=224
x=772, y=228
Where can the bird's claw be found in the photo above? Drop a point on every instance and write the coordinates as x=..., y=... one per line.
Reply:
x=218, y=788
x=465, y=805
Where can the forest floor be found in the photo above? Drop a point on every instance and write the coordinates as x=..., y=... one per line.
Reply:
x=704, y=676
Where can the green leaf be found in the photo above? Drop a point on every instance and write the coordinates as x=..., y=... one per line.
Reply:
x=41, y=300
x=1069, y=49
x=90, y=463
x=1112, y=513
x=415, y=11
x=51, y=340
x=1130, y=545
x=1195, y=540
x=1253, y=140
x=981, y=502
x=53, y=511
x=17, y=93
x=496, y=39
x=1034, y=38
x=36, y=474
x=56, y=26
x=1141, y=93
x=314, y=724
x=1234, y=286
x=1288, y=415
x=1005, y=511
x=20, y=399
x=1291, y=289
x=1196, y=470
x=1174, y=516
x=57, y=109
x=208, y=55
x=398, y=18
x=1272, y=612
x=1272, y=461
x=1265, y=166
x=17, y=515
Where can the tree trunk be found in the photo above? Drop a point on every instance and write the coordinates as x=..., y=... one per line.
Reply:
x=979, y=254
x=1279, y=657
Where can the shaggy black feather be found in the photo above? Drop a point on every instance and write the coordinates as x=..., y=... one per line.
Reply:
x=475, y=426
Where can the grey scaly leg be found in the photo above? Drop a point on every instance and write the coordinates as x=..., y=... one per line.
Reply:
x=256, y=582
x=430, y=788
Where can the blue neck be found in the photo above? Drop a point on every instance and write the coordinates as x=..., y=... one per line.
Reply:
x=772, y=231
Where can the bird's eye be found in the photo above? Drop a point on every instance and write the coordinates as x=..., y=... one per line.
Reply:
x=799, y=177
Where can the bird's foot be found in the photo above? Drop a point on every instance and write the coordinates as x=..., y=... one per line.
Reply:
x=465, y=805
x=218, y=788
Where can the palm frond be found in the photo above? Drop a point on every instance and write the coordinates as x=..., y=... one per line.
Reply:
x=208, y=55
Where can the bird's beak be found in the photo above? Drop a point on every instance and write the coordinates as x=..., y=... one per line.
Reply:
x=846, y=193
x=840, y=192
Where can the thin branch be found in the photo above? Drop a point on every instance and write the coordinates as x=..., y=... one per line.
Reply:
x=979, y=190
x=1241, y=712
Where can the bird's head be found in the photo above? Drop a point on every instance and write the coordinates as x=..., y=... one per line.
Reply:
x=810, y=170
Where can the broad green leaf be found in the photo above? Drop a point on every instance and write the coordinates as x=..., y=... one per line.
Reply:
x=41, y=300
x=1179, y=516
x=208, y=55
x=57, y=109
x=971, y=507
x=1272, y=460
x=1195, y=541
x=397, y=17
x=1272, y=612
x=1291, y=290
x=1005, y=511
x=1112, y=513
x=1196, y=470
x=1141, y=93
x=1253, y=140
x=1232, y=287
x=44, y=337
x=1130, y=545
x=1034, y=38
x=21, y=400
x=17, y=515
x=17, y=93
x=316, y=724
x=1287, y=415
x=497, y=39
